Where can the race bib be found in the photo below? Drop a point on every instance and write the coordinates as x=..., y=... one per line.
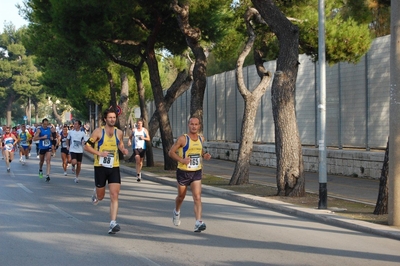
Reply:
x=9, y=147
x=64, y=145
x=46, y=143
x=194, y=161
x=24, y=143
x=107, y=161
x=77, y=143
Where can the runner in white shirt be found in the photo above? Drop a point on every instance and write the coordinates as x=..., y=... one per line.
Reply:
x=75, y=141
x=138, y=140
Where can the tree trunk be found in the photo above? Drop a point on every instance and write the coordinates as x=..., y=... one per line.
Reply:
x=56, y=115
x=165, y=126
x=28, y=112
x=181, y=84
x=290, y=176
x=100, y=121
x=10, y=102
x=381, y=206
x=193, y=37
x=143, y=112
x=123, y=101
x=242, y=167
x=36, y=112
x=113, y=97
x=251, y=99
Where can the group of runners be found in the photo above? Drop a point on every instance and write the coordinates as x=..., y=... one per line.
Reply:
x=48, y=138
x=105, y=143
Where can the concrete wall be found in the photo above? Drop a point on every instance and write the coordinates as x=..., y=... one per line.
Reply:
x=356, y=163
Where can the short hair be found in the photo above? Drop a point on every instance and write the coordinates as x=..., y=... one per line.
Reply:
x=108, y=111
x=140, y=120
x=194, y=116
x=79, y=122
x=45, y=119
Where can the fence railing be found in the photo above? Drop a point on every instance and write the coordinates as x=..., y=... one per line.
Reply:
x=357, y=103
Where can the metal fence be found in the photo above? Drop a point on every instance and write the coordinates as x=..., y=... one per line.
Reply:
x=357, y=103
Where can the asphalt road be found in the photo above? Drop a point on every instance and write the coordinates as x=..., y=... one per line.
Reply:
x=56, y=224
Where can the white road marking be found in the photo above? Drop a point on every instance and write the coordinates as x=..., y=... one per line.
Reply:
x=65, y=214
x=24, y=188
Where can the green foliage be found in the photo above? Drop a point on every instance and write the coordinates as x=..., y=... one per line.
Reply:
x=78, y=32
x=348, y=26
x=18, y=74
x=346, y=40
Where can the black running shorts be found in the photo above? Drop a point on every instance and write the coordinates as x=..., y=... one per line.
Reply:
x=104, y=174
x=185, y=178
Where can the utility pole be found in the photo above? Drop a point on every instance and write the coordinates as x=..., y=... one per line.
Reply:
x=323, y=189
x=394, y=122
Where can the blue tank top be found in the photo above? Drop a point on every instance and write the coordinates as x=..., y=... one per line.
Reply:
x=45, y=143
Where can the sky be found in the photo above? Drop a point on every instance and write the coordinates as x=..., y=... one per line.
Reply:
x=8, y=12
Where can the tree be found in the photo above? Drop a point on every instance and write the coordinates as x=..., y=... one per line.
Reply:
x=252, y=99
x=374, y=12
x=290, y=177
x=148, y=27
x=381, y=206
x=193, y=37
x=18, y=74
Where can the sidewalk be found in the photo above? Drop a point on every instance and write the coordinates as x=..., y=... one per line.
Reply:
x=356, y=189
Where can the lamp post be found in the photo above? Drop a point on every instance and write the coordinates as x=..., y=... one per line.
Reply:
x=323, y=189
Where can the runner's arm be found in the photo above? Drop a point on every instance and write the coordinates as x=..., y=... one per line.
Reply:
x=180, y=142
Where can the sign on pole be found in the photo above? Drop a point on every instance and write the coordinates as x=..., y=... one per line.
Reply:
x=119, y=110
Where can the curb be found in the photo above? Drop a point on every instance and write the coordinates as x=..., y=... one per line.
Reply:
x=323, y=216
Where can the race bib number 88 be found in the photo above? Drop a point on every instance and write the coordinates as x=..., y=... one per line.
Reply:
x=107, y=161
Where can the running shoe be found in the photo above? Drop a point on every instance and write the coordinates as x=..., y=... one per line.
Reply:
x=95, y=201
x=47, y=178
x=114, y=228
x=76, y=180
x=20, y=159
x=8, y=170
x=40, y=174
x=176, y=218
x=65, y=173
x=139, y=177
x=199, y=226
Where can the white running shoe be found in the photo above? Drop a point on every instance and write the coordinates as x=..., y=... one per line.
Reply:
x=65, y=173
x=199, y=226
x=176, y=218
x=76, y=180
x=114, y=228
